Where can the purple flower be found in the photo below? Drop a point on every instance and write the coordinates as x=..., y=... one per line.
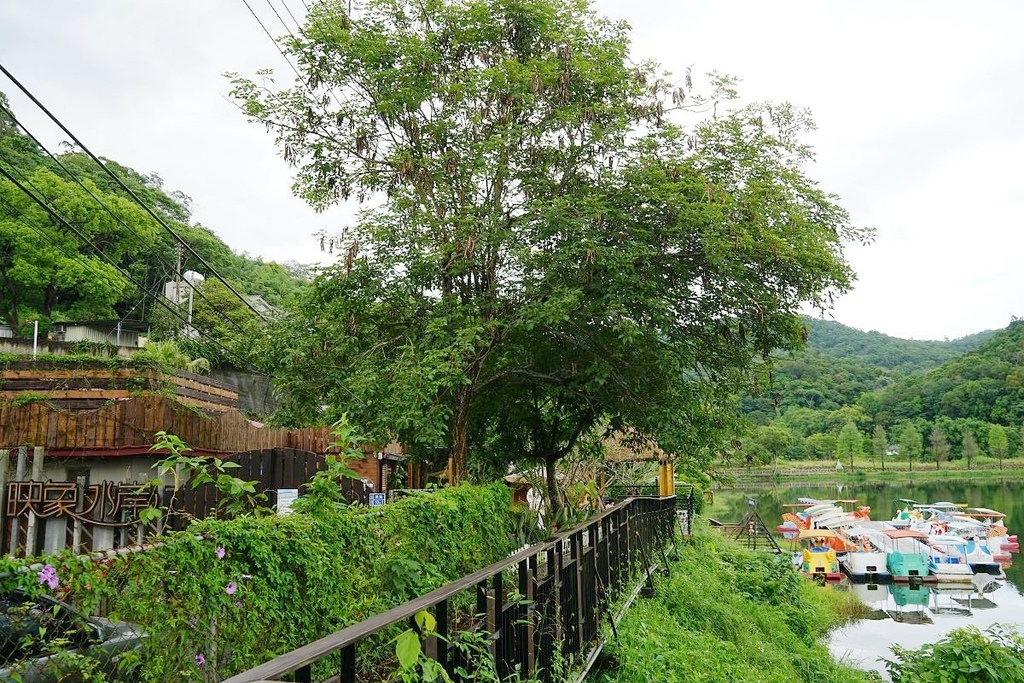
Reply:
x=200, y=659
x=231, y=588
x=220, y=553
x=48, y=575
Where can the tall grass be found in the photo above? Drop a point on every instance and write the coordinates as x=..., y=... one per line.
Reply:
x=727, y=614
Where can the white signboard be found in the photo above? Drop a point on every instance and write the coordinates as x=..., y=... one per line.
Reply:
x=285, y=498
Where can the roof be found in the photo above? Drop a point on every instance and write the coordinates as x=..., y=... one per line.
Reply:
x=129, y=325
x=947, y=540
x=817, y=533
x=631, y=446
x=905, y=533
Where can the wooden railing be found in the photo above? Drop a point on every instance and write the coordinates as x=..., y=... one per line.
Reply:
x=564, y=589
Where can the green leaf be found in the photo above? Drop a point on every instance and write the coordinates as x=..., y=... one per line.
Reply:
x=425, y=621
x=407, y=648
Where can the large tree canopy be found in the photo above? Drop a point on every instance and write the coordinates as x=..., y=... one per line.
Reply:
x=542, y=250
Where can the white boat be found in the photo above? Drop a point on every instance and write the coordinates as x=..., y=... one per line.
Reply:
x=865, y=559
x=947, y=560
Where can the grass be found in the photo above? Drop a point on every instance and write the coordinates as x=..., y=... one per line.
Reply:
x=726, y=614
x=864, y=469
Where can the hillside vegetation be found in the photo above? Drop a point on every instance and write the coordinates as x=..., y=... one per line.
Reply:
x=850, y=394
x=74, y=245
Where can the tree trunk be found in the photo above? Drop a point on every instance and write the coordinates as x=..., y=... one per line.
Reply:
x=460, y=434
x=554, y=496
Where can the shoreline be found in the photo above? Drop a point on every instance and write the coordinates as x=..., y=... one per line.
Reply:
x=871, y=475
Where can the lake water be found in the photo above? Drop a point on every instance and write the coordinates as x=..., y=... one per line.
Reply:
x=910, y=618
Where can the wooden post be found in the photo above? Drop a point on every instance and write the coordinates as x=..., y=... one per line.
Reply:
x=19, y=475
x=37, y=475
x=5, y=461
x=76, y=533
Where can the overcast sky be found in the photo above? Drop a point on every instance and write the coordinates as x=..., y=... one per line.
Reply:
x=918, y=105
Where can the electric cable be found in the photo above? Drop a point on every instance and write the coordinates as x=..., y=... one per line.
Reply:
x=153, y=252
x=131, y=192
x=59, y=218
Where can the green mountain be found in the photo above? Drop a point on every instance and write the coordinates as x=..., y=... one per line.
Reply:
x=840, y=364
x=901, y=356
x=985, y=384
x=847, y=387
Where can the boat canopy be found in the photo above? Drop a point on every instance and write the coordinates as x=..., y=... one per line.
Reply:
x=947, y=540
x=905, y=533
x=985, y=511
x=817, y=533
x=941, y=505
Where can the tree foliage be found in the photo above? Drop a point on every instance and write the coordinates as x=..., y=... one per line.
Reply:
x=543, y=251
x=82, y=260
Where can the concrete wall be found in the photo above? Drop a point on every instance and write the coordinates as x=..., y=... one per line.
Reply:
x=255, y=392
x=24, y=347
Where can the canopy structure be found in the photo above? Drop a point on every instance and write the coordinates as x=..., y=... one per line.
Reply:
x=947, y=540
x=817, y=533
x=905, y=533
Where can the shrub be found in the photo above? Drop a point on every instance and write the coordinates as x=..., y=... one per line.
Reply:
x=225, y=595
x=995, y=655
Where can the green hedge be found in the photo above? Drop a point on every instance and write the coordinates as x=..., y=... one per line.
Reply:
x=224, y=596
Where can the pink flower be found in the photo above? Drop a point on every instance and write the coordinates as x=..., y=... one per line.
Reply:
x=200, y=659
x=48, y=575
x=231, y=588
x=220, y=553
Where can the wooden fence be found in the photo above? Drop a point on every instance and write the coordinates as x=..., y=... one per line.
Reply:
x=272, y=469
x=87, y=385
x=130, y=425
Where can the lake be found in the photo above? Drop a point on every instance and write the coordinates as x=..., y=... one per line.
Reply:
x=903, y=616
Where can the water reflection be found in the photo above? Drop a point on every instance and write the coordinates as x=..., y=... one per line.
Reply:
x=910, y=616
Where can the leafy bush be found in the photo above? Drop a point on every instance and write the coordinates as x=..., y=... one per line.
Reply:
x=224, y=596
x=965, y=655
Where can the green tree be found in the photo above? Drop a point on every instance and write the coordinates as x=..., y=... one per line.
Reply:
x=850, y=442
x=821, y=446
x=970, y=447
x=910, y=443
x=997, y=443
x=939, y=445
x=545, y=224
x=879, y=444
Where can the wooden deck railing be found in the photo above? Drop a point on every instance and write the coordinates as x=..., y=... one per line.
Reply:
x=566, y=586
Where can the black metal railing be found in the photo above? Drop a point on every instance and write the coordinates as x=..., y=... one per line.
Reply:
x=540, y=610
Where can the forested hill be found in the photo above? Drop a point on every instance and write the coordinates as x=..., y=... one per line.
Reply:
x=75, y=246
x=903, y=356
x=984, y=384
x=848, y=392
x=840, y=364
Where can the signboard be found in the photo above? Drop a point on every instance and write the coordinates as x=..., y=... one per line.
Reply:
x=377, y=499
x=285, y=498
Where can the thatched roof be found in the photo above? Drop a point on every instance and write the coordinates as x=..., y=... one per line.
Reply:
x=632, y=447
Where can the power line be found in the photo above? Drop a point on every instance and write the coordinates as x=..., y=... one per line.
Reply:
x=131, y=192
x=271, y=36
x=298, y=74
x=155, y=253
x=58, y=217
